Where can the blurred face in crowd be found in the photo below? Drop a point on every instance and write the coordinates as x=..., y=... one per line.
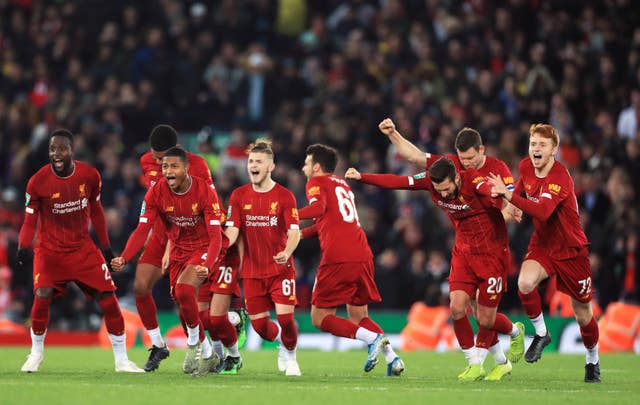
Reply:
x=541, y=151
x=175, y=170
x=472, y=158
x=61, y=155
x=259, y=166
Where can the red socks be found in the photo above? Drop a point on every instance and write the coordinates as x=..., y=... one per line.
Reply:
x=502, y=324
x=531, y=303
x=485, y=337
x=112, y=315
x=339, y=326
x=40, y=314
x=221, y=329
x=368, y=323
x=147, y=311
x=590, y=334
x=266, y=328
x=289, y=335
x=464, y=332
x=186, y=297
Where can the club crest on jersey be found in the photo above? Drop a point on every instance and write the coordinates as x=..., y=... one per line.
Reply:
x=153, y=173
x=55, y=195
x=81, y=189
x=27, y=199
x=194, y=209
x=294, y=214
x=274, y=208
x=169, y=209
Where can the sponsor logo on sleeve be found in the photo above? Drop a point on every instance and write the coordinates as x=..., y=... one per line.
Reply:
x=555, y=188
x=315, y=190
x=143, y=208
x=420, y=175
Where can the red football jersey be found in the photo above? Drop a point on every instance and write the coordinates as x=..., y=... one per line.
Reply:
x=331, y=202
x=152, y=171
x=263, y=220
x=491, y=165
x=551, y=202
x=477, y=220
x=64, y=206
x=191, y=219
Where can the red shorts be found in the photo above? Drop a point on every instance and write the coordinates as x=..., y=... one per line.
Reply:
x=486, y=274
x=85, y=266
x=345, y=283
x=224, y=277
x=177, y=266
x=573, y=276
x=154, y=250
x=261, y=293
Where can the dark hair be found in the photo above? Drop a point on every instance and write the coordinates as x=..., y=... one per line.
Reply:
x=177, y=152
x=325, y=156
x=62, y=132
x=163, y=137
x=468, y=138
x=261, y=145
x=442, y=169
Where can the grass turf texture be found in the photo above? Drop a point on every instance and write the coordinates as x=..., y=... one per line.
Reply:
x=81, y=375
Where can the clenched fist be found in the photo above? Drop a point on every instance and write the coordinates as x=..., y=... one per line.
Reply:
x=387, y=126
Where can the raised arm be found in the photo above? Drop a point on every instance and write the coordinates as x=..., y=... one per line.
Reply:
x=405, y=148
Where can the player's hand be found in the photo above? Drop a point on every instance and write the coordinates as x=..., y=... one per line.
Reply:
x=202, y=272
x=352, y=174
x=387, y=127
x=108, y=255
x=499, y=189
x=22, y=257
x=281, y=258
x=117, y=263
x=516, y=213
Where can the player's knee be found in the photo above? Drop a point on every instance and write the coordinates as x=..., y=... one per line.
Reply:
x=458, y=310
x=44, y=292
x=181, y=293
x=526, y=286
x=261, y=326
x=316, y=321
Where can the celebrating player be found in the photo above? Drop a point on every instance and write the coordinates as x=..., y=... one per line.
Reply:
x=345, y=276
x=149, y=269
x=187, y=207
x=264, y=213
x=64, y=196
x=557, y=247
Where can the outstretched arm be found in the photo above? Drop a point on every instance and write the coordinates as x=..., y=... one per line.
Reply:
x=405, y=148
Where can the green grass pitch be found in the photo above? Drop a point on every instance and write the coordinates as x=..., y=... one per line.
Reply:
x=86, y=376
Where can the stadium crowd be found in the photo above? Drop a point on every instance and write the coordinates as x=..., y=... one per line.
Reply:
x=302, y=72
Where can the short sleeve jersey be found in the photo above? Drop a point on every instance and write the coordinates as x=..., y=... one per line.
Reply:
x=477, y=220
x=263, y=218
x=341, y=237
x=561, y=234
x=63, y=204
x=184, y=216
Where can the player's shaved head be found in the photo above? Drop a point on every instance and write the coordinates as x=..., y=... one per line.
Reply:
x=163, y=137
